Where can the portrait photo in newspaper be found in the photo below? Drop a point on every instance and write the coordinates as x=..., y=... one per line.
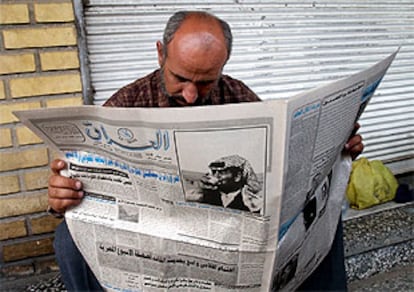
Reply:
x=226, y=176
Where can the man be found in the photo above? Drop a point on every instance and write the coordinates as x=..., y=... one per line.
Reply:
x=232, y=183
x=195, y=48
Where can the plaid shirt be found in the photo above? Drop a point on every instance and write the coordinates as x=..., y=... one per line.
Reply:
x=147, y=92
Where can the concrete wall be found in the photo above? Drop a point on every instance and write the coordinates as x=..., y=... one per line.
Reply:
x=39, y=68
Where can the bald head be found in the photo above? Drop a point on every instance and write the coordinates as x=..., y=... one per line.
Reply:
x=200, y=23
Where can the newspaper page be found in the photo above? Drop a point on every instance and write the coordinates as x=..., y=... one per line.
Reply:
x=236, y=197
x=316, y=175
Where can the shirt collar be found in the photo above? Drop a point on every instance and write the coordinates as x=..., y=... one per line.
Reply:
x=228, y=198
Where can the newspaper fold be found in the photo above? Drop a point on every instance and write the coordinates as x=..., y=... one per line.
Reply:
x=236, y=197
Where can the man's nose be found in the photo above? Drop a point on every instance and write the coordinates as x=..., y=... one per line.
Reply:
x=190, y=92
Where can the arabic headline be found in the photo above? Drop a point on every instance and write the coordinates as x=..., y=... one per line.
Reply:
x=88, y=158
x=167, y=259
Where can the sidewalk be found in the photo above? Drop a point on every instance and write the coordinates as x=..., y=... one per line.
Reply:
x=398, y=279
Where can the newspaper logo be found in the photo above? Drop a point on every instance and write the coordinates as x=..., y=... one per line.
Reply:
x=125, y=134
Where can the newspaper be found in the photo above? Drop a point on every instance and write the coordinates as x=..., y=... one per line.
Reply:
x=236, y=197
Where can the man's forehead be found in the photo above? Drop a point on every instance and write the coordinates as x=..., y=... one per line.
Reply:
x=201, y=40
x=199, y=35
x=200, y=22
x=202, y=51
x=218, y=166
x=232, y=161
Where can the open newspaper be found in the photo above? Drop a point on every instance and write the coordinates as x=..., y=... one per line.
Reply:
x=237, y=197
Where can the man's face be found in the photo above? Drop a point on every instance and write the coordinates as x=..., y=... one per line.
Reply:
x=227, y=180
x=194, y=63
x=183, y=91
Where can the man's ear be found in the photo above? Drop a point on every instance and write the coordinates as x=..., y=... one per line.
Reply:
x=160, y=51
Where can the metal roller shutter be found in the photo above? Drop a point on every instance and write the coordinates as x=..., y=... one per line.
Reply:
x=280, y=48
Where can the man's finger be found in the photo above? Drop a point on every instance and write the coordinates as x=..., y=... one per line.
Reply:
x=356, y=150
x=57, y=165
x=59, y=181
x=353, y=141
x=62, y=193
x=61, y=206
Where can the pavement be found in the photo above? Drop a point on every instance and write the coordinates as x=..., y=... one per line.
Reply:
x=397, y=279
x=46, y=282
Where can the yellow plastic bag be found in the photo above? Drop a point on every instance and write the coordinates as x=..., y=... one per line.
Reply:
x=371, y=183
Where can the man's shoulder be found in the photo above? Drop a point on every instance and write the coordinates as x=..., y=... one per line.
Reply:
x=227, y=79
x=235, y=88
x=141, y=92
x=144, y=81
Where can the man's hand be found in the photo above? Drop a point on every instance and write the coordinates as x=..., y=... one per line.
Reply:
x=63, y=192
x=209, y=182
x=354, y=146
